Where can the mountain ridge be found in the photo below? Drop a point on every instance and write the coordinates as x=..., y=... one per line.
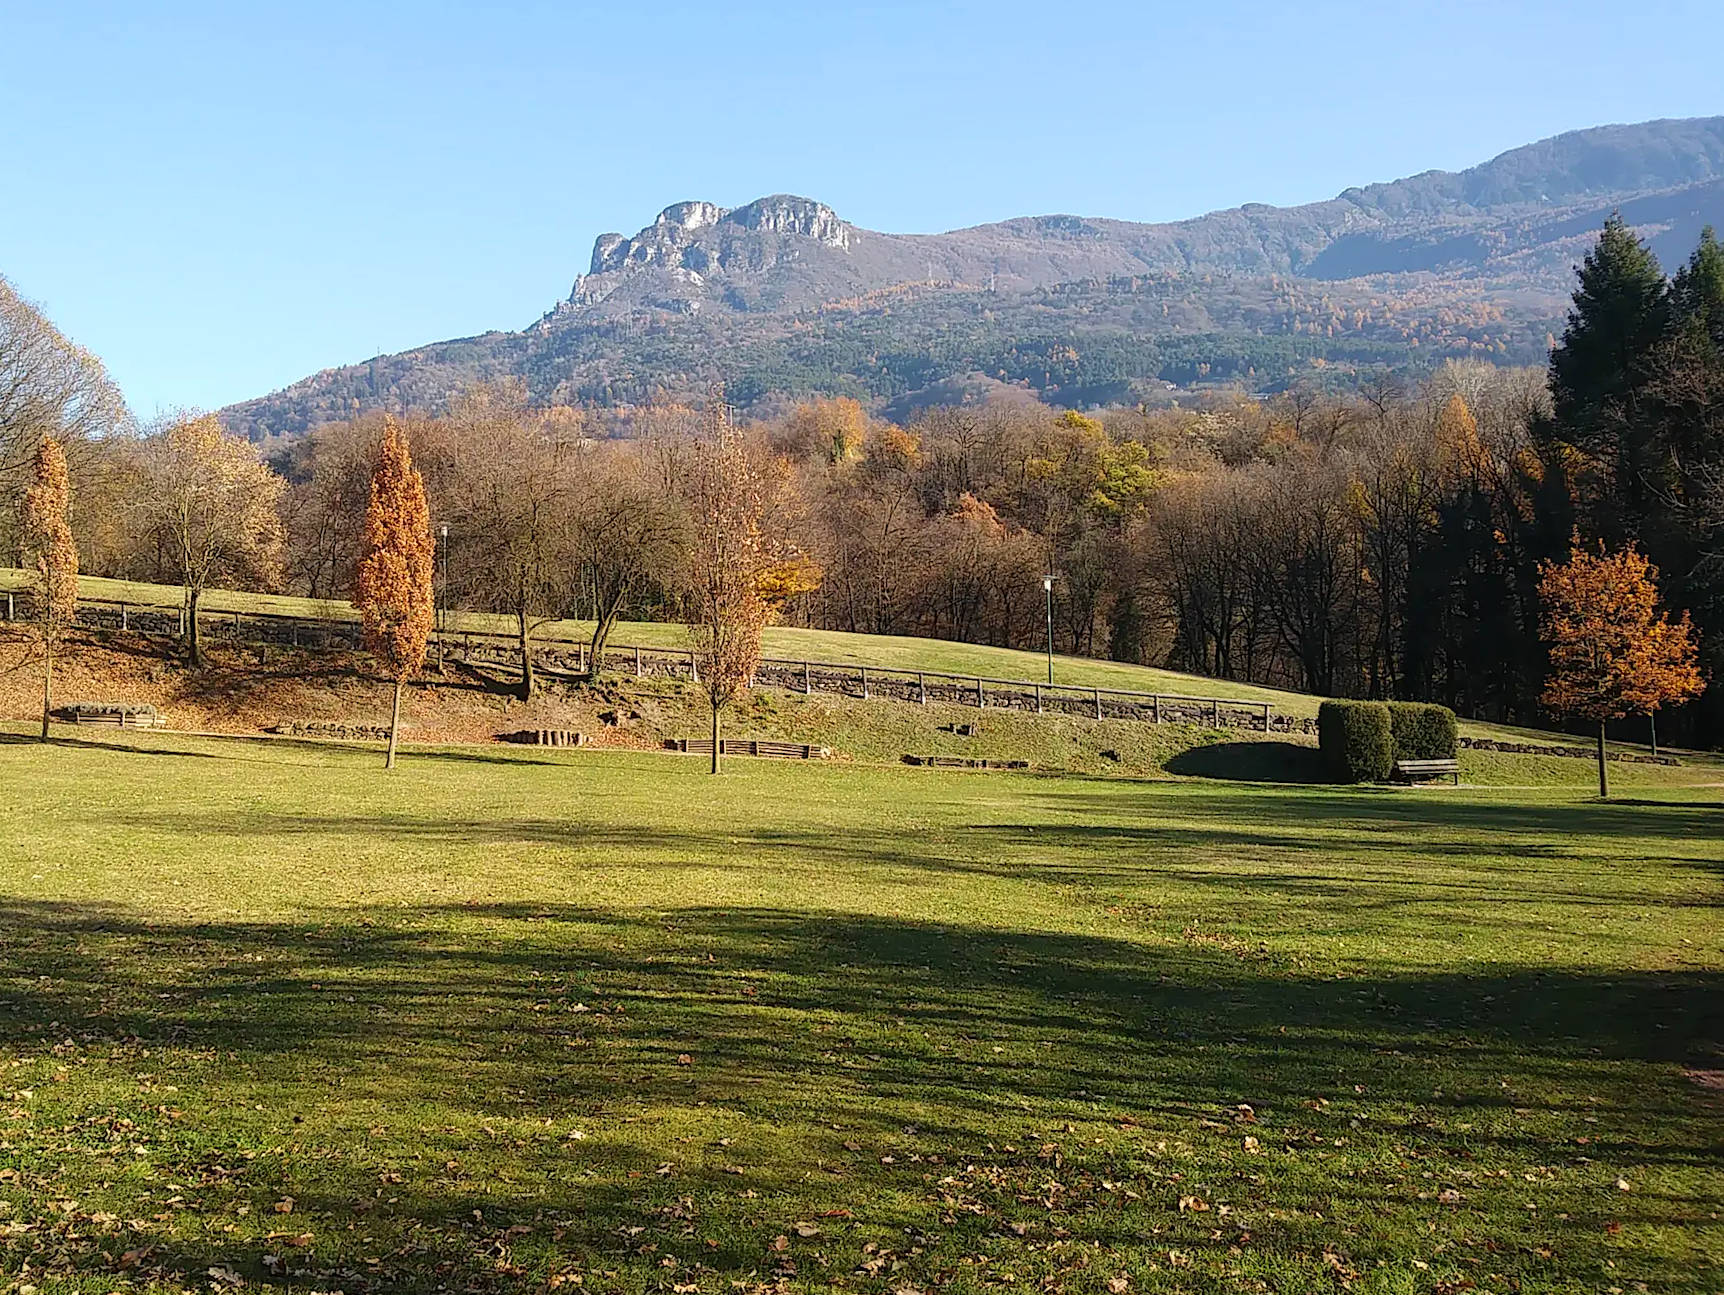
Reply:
x=782, y=295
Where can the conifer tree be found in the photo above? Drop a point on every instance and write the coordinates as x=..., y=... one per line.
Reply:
x=393, y=588
x=51, y=558
x=1597, y=379
x=1697, y=292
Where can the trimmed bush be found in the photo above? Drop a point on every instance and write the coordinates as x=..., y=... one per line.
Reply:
x=1423, y=731
x=1357, y=740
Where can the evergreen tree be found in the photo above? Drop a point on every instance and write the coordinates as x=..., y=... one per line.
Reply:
x=1597, y=379
x=1697, y=293
x=1687, y=409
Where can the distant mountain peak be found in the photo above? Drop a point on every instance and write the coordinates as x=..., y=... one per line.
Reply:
x=783, y=296
x=689, y=242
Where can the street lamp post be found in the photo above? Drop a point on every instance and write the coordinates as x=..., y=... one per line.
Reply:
x=443, y=592
x=1048, y=589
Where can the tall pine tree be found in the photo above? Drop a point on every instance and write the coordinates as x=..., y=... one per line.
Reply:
x=1598, y=376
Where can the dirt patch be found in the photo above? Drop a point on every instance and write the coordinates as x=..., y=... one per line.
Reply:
x=244, y=690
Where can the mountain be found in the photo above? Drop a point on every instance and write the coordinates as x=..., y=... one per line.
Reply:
x=783, y=296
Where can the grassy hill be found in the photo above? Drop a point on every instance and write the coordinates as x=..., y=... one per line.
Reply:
x=322, y=692
x=789, y=642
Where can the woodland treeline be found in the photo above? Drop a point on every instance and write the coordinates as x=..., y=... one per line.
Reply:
x=1374, y=538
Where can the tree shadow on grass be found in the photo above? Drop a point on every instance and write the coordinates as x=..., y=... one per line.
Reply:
x=1282, y=762
x=928, y=1046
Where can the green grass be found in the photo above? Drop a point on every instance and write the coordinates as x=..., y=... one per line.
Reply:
x=506, y=1020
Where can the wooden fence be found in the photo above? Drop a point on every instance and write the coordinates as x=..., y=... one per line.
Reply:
x=570, y=658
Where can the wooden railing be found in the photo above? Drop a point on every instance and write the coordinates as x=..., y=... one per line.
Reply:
x=560, y=656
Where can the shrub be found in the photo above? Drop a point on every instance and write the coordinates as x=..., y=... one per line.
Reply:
x=1357, y=740
x=1423, y=731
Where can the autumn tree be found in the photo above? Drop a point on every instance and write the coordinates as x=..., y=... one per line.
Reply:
x=392, y=588
x=50, y=557
x=731, y=559
x=1612, y=652
x=213, y=507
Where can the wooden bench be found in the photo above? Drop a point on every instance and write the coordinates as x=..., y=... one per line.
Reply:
x=114, y=716
x=1425, y=770
x=739, y=746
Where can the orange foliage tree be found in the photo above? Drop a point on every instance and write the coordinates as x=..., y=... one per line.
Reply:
x=50, y=557
x=1612, y=652
x=738, y=572
x=393, y=587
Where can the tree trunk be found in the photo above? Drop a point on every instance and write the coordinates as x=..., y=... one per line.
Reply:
x=394, y=726
x=602, y=628
x=1603, y=766
x=526, y=639
x=193, y=640
x=715, y=737
x=47, y=681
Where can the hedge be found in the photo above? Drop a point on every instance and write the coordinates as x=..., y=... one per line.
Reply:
x=1357, y=740
x=1423, y=731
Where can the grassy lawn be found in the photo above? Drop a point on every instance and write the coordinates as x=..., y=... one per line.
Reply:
x=524, y=1021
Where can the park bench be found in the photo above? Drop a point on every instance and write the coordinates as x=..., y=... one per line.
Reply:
x=1425, y=770
x=547, y=737
x=962, y=762
x=115, y=715
x=738, y=746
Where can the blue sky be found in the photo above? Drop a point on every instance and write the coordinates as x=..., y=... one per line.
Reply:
x=221, y=198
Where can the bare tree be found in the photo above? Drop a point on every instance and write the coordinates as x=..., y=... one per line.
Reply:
x=509, y=504
x=627, y=535
x=48, y=387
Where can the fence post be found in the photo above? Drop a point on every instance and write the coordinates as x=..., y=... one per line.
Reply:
x=8, y=604
x=864, y=683
x=637, y=663
x=807, y=681
x=922, y=688
x=1155, y=703
x=693, y=666
x=236, y=625
x=1038, y=699
x=293, y=633
x=466, y=648
x=1265, y=717
x=581, y=658
x=1214, y=713
x=981, y=702
x=1098, y=703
